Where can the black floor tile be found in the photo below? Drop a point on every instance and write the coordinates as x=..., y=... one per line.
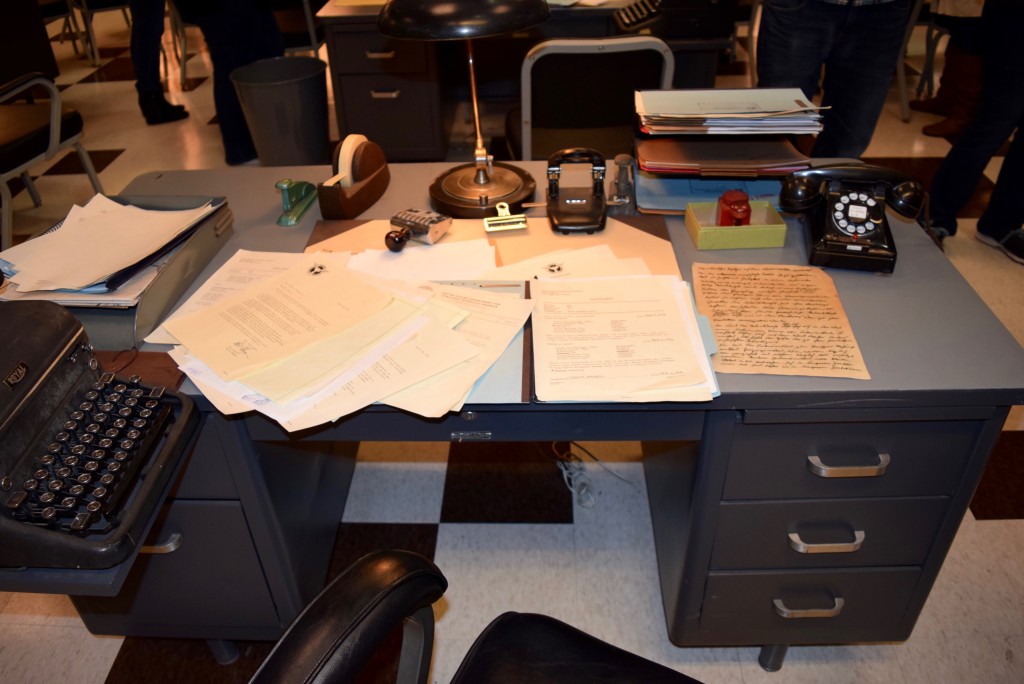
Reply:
x=355, y=540
x=117, y=69
x=505, y=482
x=71, y=163
x=1000, y=495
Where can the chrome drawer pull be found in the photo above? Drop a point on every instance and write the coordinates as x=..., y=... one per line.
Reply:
x=169, y=546
x=800, y=546
x=384, y=94
x=390, y=54
x=818, y=468
x=783, y=611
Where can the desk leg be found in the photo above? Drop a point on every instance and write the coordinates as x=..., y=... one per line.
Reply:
x=224, y=652
x=771, y=656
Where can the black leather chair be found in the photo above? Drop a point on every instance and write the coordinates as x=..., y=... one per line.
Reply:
x=33, y=132
x=336, y=635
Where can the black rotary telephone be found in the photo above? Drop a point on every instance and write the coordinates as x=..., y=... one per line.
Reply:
x=576, y=210
x=845, y=206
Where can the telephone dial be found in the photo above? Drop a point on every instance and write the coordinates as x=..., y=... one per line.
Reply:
x=845, y=207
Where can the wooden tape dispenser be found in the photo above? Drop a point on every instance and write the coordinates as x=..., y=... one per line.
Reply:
x=360, y=178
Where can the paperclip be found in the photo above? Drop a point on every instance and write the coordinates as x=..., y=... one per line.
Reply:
x=505, y=220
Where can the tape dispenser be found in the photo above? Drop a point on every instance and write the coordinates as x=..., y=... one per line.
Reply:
x=360, y=177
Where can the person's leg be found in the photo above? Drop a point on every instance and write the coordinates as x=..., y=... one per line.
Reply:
x=1001, y=224
x=236, y=36
x=858, y=73
x=147, y=29
x=998, y=113
x=794, y=39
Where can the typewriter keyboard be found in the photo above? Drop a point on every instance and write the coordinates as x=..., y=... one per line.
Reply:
x=85, y=473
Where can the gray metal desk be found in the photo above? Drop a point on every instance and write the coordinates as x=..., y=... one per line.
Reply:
x=730, y=480
x=378, y=80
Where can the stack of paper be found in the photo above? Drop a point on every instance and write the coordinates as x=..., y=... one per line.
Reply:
x=97, y=249
x=756, y=157
x=306, y=340
x=723, y=111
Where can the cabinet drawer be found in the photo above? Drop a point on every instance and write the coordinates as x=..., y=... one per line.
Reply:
x=782, y=461
x=822, y=606
x=375, y=53
x=844, y=533
x=401, y=114
x=210, y=586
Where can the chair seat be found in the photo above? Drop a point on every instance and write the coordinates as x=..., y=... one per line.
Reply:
x=526, y=647
x=25, y=131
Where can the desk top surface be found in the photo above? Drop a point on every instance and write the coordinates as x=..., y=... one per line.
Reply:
x=925, y=334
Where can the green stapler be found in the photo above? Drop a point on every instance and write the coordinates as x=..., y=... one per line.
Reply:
x=296, y=198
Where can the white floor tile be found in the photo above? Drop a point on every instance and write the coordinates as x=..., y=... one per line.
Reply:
x=27, y=654
x=395, y=493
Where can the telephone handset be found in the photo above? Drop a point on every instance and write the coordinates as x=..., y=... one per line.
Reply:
x=845, y=206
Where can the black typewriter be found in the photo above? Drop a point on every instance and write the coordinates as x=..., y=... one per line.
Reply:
x=86, y=458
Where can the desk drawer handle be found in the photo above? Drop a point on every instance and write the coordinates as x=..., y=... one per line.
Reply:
x=818, y=468
x=390, y=54
x=800, y=546
x=385, y=94
x=782, y=611
x=169, y=546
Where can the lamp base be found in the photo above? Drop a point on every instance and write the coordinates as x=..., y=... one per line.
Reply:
x=459, y=192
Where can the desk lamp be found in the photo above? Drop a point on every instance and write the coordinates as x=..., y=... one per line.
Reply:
x=469, y=190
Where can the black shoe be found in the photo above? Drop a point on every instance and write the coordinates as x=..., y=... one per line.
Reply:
x=157, y=110
x=1011, y=244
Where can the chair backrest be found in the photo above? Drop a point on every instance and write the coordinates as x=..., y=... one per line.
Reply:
x=588, y=83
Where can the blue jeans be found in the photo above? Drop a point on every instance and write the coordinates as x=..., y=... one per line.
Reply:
x=859, y=48
x=1000, y=111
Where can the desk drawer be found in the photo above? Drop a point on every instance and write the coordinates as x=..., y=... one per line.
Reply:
x=207, y=583
x=857, y=532
x=400, y=113
x=823, y=607
x=777, y=461
x=375, y=53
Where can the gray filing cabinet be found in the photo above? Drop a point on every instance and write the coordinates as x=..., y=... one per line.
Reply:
x=386, y=89
x=242, y=543
x=817, y=526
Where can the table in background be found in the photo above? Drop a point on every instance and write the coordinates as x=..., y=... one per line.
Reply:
x=378, y=81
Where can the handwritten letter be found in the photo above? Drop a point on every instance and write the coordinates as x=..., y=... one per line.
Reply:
x=777, y=320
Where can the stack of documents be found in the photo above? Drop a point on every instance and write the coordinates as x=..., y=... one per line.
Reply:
x=757, y=157
x=306, y=339
x=101, y=250
x=740, y=111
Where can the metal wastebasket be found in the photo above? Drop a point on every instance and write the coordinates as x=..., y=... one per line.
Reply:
x=284, y=100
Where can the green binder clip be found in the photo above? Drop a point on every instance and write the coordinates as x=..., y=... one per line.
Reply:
x=296, y=198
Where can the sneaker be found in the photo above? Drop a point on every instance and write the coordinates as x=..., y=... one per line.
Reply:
x=1012, y=244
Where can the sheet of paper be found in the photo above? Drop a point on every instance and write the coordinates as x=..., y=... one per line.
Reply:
x=777, y=320
x=617, y=339
x=94, y=242
x=243, y=269
x=446, y=260
x=494, y=320
x=585, y=262
x=265, y=323
x=313, y=368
